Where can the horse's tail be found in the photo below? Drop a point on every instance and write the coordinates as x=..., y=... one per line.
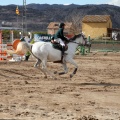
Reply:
x=24, y=47
x=21, y=49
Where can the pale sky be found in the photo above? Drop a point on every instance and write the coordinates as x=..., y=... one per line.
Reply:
x=65, y=2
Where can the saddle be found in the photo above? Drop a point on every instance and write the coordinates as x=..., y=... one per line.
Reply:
x=58, y=46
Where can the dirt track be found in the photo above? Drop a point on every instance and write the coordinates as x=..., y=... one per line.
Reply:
x=92, y=94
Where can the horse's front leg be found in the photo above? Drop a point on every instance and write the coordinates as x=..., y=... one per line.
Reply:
x=76, y=66
x=65, y=69
x=44, y=68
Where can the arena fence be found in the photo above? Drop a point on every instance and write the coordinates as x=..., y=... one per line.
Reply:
x=105, y=46
x=100, y=46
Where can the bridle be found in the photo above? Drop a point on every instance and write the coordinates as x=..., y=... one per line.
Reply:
x=84, y=38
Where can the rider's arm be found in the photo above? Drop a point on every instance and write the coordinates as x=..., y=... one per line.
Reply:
x=62, y=35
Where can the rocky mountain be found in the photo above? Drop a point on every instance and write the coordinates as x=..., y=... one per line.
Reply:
x=38, y=16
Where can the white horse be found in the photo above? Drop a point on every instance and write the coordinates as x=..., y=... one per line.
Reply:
x=44, y=51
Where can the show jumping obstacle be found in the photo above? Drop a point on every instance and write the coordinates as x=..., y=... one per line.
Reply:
x=8, y=47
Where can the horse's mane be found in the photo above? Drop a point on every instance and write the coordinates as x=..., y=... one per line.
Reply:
x=75, y=37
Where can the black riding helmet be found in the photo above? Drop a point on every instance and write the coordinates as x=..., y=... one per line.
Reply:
x=61, y=25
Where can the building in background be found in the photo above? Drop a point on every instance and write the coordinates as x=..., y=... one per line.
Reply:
x=97, y=26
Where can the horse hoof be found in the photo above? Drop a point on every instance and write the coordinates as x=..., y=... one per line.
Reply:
x=55, y=72
x=71, y=75
x=35, y=66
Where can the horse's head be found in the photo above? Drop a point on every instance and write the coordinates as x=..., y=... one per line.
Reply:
x=86, y=41
x=80, y=39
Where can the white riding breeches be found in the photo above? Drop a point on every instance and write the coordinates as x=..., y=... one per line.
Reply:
x=60, y=41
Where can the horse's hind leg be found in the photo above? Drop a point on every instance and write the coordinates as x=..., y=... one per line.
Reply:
x=44, y=68
x=37, y=63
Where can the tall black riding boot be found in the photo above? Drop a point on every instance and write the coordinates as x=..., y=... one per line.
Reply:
x=63, y=51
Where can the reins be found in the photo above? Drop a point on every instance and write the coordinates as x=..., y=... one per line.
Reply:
x=78, y=43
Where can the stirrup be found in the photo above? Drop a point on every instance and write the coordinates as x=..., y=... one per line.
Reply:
x=65, y=54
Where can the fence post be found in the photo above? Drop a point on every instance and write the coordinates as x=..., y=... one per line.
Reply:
x=82, y=50
x=89, y=46
x=113, y=45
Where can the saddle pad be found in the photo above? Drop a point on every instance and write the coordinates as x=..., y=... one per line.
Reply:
x=57, y=46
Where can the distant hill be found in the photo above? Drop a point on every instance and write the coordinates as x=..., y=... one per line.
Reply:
x=40, y=15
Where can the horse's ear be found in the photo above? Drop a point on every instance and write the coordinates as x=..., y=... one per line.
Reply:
x=82, y=33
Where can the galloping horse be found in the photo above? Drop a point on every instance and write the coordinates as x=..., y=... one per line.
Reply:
x=44, y=51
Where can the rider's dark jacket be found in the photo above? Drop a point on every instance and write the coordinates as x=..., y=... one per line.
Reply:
x=59, y=34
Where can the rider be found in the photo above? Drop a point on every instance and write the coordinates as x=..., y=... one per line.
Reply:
x=60, y=38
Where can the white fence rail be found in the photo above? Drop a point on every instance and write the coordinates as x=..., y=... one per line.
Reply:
x=3, y=48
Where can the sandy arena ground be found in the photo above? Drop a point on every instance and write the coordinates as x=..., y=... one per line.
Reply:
x=92, y=94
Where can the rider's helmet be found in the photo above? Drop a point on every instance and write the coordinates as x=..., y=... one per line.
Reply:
x=61, y=25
